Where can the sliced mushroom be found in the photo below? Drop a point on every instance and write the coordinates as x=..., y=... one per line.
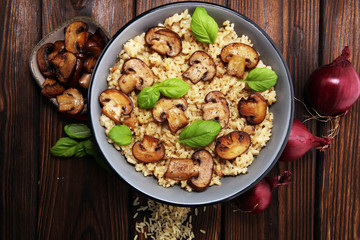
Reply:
x=232, y=145
x=76, y=35
x=238, y=56
x=249, y=129
x=115, y=103
x=136, y=74
x=89, y=64
x=164, y=104
x=51, y=88
x=96, y=42
x=253, y=109
x=59, y=48
x=176, y=119
x=148, y=150
x=164, y=41
x=216, y=108
x=181, y=169
x=65, y=65
x=206, y=168
x=202, y=67
x=71, y=101
x=130, y=122
x=78, y=72
x=43, y=60
x=84, y=81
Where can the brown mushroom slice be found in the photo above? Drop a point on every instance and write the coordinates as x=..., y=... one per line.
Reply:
x=180, y=169
x=65, y=65
x=164, y=41
x=89, y=64
x=176, y=119
x=164, y=104
x=202, y=67
x=249, y=129
x=238, y=56
x=70, y=101
x=148, y=150
x=136, y=74
x=59, y=48
x=96, y=42
x=84, y=81
x=51, y=88
x=78, y=72
x=43, y=61
x=232, y=145
x=216, y=108
x=115, y=104
x=253, y=109
x=206, y=168
x=76, y=35
x=130, y=122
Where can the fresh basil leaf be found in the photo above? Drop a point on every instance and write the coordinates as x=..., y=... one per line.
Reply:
x=200, y=133
x=261, y=79
x=148, y=97
x=77, y=131
x=173, y=88
x=80, y=151
x=203, y=27
x=64, y=147
x=121, y=135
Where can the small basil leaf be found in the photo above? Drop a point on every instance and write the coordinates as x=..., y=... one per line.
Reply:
x=261, y=79
x=200, y=133
x=203, y=27
x=80, y=151
x=64, y=147
x=148, y=97
x=121, y=135
x=173, y=88
x=77, y=131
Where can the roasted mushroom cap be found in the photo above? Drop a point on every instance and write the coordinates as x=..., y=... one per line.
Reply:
x=96, y=42
x=202, y=67
x=84, y=80
x=51, y=88
x=149, y=150
x=164, y=41
x=180, y=169
x=43, y=60
x=216, y=108
x=253, y=109
x=232, y=145
x=206, y=162
x=59, y=48
x=238, y=56
x=71, y=101
x=76, y=35
x=89, y=64
x=65, y=65
x=115, y=103
x=78, y=71
x=136, y=75
x=176, y=119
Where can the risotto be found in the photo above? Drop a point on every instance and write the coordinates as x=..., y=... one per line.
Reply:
x=173, y=67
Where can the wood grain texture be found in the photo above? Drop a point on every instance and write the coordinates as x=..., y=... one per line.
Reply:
x=339, y=179
x=19, y=113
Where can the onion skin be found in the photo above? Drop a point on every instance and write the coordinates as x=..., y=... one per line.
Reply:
x=300, y=141
x=258, y=198
x=333, y=88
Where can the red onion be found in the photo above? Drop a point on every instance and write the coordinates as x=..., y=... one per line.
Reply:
x=333, y=88
x=300, y=141
x=258, y=198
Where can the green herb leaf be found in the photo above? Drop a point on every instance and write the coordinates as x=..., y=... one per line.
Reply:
x=173, y=88
x=204, y=27
x=261, y=79
x=92, y=150
x=65, y=147
x=148, y=97
x=80, y=151
x=200, y=133
x=121, y=135
x=77, y=131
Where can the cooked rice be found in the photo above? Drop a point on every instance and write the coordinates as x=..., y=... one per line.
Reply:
x=165, y=68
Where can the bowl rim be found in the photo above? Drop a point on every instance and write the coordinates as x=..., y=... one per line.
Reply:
x=288, y=77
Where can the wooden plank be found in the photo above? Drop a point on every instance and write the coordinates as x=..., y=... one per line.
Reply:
x=19, y=114
x=78, y=199
x=339, y=179
x=293, y=25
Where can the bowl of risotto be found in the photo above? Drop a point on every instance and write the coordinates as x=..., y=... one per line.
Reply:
x=191, y=103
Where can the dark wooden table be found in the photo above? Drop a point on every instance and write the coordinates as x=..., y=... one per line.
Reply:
x=44, y=197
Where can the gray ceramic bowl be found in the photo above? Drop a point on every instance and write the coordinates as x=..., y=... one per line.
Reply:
x=231, y=186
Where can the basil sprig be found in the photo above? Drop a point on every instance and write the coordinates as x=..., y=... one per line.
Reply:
x=70, y=146
x=261, y=79
x=121, y=135
x=199, y=133
x=203, y=26
x=172, y=88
